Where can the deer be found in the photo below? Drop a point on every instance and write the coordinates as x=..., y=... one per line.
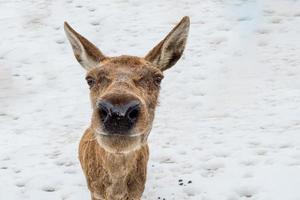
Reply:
x=124, y=90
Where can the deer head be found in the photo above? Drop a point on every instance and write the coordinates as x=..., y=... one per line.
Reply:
x=124, y=89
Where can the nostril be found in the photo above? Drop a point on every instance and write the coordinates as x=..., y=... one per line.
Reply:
x=103, y=114
x=103, y=111
x=133, y=113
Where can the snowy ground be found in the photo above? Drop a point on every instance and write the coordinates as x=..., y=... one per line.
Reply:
x=229, y=117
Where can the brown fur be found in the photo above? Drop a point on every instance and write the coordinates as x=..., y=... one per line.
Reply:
x=112, y=176
x=115, y=166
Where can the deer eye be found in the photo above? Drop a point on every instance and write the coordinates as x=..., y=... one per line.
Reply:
x=90, y=81
x=158, y=79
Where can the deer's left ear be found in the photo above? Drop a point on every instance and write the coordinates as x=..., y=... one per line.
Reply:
x=86, y=53
x=170, y=49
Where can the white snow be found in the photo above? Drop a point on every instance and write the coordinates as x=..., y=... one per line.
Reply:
x=228, y=123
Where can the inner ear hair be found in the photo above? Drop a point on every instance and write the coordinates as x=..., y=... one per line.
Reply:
x=167, y=52
x=86, y=53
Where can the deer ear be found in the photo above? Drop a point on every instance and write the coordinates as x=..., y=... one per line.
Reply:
x=170, y=49
x=87, y=54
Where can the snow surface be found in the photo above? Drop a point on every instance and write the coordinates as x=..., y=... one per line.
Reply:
x=227, y=127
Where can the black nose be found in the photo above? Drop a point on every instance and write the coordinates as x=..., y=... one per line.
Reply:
x=118, y=118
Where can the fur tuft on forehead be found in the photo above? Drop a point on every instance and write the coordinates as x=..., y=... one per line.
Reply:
x=127, y=60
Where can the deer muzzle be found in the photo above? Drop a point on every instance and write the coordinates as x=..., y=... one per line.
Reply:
x=118, y=117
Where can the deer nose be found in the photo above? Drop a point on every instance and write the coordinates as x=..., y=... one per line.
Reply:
x=118, y=118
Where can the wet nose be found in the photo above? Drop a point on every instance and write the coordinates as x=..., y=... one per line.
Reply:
x=118, y=118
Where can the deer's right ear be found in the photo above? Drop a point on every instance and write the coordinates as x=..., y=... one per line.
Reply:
x=87, y=54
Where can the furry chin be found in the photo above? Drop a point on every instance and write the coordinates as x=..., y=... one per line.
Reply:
x=119, y=146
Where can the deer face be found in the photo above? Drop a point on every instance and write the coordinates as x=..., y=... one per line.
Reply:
x=123, y=94
x=124, y=90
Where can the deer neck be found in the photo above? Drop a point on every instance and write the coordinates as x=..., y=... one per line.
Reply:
x=119, y=165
